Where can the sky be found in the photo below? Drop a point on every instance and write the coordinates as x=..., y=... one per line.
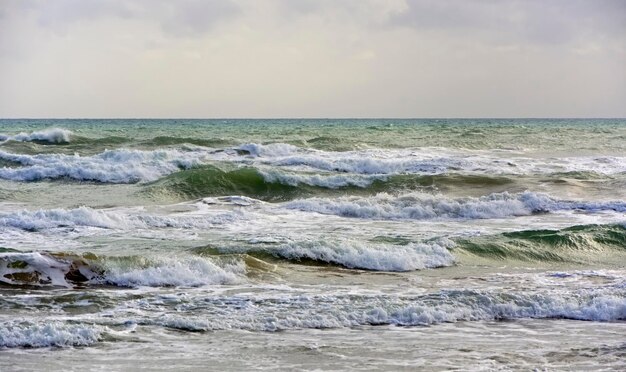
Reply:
x=312, y=58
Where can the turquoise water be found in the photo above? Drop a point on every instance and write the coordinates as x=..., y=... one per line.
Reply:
x=315, y=241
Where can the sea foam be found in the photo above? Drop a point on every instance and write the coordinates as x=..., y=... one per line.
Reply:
x=421, y=206
x=110, y=219
x=66, y=270
x=49, y=333
x=353, y=310
x=175, y=271
x=53, y=135
x=425, y=161
x=112, y=166
x=370, y=256
x=330, y=181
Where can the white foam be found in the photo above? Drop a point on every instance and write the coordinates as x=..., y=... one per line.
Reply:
x=52, y=135
x=331, y=181
x=425, y=161
x=268, y=150
x=175, y=271
x=232, y=200
x=110, y=219
x=355, y=168
x=49, y=333
x=114, y=166
x=421, y=206
x=364, y=164
x=332, y=311
x=370, y=256
x=190, y=271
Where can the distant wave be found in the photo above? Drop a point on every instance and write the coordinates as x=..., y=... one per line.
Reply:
x=171, y=140
x=53, y=136
x=291, y=165
x=114, y=166
x=423, y=161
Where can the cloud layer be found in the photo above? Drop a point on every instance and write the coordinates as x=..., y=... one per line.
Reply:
x=306, y=58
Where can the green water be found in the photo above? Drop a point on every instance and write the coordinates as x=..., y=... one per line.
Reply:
x=326, y=243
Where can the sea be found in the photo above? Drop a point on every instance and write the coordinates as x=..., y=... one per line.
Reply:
x=313, y=244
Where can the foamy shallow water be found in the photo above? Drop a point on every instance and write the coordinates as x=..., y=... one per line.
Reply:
x=312, y=245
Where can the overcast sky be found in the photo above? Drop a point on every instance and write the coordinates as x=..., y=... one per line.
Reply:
x=312, y=58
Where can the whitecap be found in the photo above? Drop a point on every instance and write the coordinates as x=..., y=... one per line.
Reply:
x=50, y=333
x=111, y=166
x=371, y=256
x=422, y=206
x=52, y=135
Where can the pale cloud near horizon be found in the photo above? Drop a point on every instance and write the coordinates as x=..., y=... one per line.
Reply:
x=307, y=58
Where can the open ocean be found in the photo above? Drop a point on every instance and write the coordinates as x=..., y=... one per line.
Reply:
x=471, y=244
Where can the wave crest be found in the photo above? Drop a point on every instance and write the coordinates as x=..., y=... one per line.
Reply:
x=421, y=206
x=68, y=270
x=361, y=255
x=56, y=334
x=53, y=136
x=111, y=166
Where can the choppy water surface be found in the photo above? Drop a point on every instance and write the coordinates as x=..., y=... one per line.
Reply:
x=304, y=244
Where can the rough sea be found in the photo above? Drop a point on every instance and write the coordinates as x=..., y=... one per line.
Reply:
x=378, y=244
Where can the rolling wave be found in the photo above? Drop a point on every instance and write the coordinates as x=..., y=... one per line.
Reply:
x=353, y=310
x=68, y=270
x=171, y=140
x=352, y=254
x=109, y=219
x=577, y=244
x=422, y=206
x=230, y=264
x=52, y=136
x=295, y=166
x=31, y=334
x=111, y=166
x=208, y=180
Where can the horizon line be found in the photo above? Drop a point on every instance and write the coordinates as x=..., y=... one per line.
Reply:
x=321, y=118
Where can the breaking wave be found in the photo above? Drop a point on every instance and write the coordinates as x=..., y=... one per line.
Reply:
x=46, y=334
x=354, y=254
x=422, y=206
x=52, y=136
x=211, y=181
x=332, y=311
x=112, y=166
x=579, y=244
x=424, y=161
x=67, y=270
x=268, y=185
x=108, y=219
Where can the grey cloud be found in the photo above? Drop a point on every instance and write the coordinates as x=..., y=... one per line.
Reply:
x=60, y=14
x=303, y=7
x=542, y=22
x=186, y=18
x=193, y=17
x=549, y=21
